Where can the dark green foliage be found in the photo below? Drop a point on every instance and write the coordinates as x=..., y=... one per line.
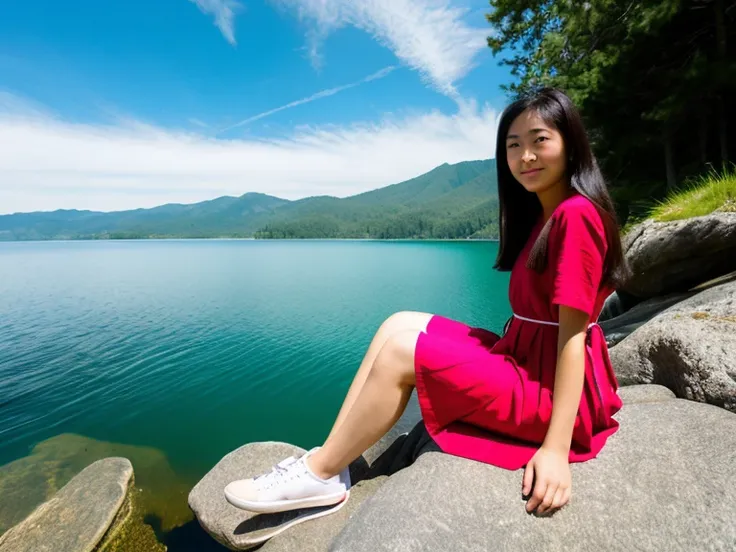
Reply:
x=654, y=81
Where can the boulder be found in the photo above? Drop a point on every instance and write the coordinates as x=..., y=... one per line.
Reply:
x=616, y=304
x=637, y=394
x=668, y=257
x=689, y=348
x=619, y=328
x=27, y=482
x=80, y=515
x=400, y=449
x=665, y=481
x=623, y=313
x=236, y=529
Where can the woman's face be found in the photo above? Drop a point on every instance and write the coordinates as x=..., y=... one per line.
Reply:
x=536, y=153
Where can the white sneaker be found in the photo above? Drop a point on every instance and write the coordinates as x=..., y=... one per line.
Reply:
x=288, y=486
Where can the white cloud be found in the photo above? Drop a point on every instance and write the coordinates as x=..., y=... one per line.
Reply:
x=430, y=36
x=46, y=163
x=318, y=95
x=224, y=12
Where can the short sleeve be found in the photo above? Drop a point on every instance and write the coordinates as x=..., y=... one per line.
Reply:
x=577, y=250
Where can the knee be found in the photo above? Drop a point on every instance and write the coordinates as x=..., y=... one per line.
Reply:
x=395, y=322
x=402, y=321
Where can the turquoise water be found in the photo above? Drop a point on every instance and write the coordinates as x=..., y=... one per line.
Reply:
x=194, y=348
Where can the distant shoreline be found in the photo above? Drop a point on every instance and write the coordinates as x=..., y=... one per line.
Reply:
x=254, y=239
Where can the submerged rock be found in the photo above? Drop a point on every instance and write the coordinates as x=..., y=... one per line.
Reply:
x=689, y=348
x=27, y=482
x=79, y=515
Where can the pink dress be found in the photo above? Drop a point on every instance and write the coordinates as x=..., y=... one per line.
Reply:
x=489, y=398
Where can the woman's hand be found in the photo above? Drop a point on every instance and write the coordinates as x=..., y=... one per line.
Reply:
x=552, y=484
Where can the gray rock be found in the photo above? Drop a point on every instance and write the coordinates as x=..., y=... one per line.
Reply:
x=616, y=304
x=79, y=515
x=724, y=279
x=623, y=313
x=665, y=481
x=619, y=328
x=236, y=529
x=406, y=448
x=689, y=348
x=667, y=257
x=637, y=394
x=317, y=535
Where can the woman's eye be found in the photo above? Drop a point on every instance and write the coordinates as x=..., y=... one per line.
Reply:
x=514, y=145
x=541, y=138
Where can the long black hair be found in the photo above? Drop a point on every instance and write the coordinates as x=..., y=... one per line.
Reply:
x=520, y=209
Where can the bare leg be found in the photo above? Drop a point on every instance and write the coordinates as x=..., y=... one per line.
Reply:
x=394, y=324
x=382, y=399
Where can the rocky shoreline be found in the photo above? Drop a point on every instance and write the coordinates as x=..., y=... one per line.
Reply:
x=673, y=347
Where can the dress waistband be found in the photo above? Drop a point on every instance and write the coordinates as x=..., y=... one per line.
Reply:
x=609, y=403
x=544, y=322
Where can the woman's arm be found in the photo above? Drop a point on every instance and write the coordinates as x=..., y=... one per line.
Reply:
x=549, y=469
x=568, y=378
x=577, y=251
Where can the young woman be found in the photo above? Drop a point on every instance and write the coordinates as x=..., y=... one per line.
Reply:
x=540, y=396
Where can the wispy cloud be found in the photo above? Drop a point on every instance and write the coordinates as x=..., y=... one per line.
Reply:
x=430, y=36
x=46, y=163
x=196, y=122
x=12, y=104
x=322, y=94
x=224, y=12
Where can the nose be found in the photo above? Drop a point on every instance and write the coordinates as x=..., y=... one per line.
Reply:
x=528, y=156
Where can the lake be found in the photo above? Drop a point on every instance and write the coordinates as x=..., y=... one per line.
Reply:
x=175, y=352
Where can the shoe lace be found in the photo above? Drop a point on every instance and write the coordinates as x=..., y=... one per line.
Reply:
x=279, y=472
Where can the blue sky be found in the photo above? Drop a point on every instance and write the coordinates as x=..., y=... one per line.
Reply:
x=124, y=104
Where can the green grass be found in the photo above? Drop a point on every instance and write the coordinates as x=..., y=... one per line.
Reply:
x=710, y=192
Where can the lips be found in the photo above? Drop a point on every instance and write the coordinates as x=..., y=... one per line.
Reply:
x=531, y=171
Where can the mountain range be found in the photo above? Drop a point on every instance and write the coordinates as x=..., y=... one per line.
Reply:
x=450, y=201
